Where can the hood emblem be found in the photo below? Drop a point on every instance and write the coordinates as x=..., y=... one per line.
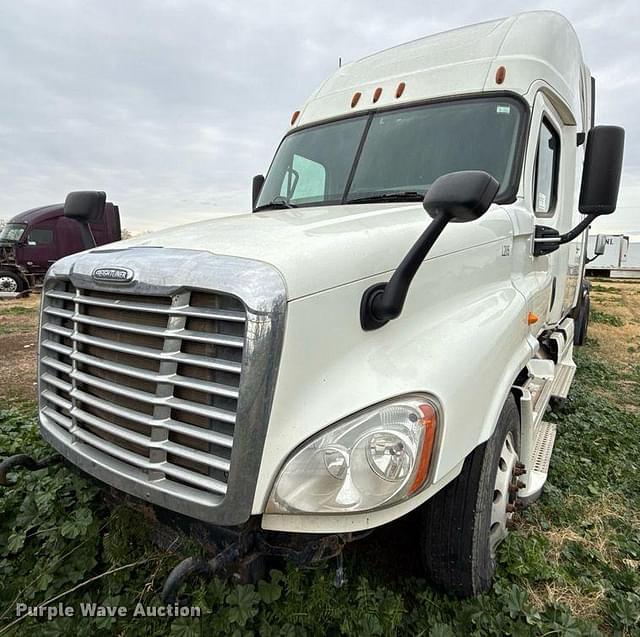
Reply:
x=113, y=275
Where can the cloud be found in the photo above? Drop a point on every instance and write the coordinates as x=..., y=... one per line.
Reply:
x=172, y=106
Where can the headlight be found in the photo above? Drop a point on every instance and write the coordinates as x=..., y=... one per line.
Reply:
x=374, y=458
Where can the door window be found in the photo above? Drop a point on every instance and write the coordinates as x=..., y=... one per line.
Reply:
x=39, y=237
x=546, y=171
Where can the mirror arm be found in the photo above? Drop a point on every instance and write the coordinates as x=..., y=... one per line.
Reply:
x=383, y=302
x=547, y=240
x=579, y=229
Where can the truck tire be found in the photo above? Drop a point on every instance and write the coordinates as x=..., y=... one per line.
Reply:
x=11, y=281
x=466, y=520
x=582, y=321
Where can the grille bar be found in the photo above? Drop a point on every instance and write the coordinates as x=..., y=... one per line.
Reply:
x=213, y=437
x=57, y=329
x=181, y=381
x=56, y=347
x=52, y=397
x=152, y=399
x=184, y=475
x=145, y=441
x=217, y=339
x=224, y=315
x=56, y=364
x=148, y=352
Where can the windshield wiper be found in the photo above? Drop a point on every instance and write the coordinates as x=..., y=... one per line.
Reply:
x=408, y=195
x=277, y=203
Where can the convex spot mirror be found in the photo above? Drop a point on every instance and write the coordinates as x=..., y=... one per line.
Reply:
x=461, y=196
x=601, y=244
x=601, y=171
x=86, y=206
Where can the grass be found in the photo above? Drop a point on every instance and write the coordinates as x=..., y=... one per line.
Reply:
x=598, y=316
x=571, y=568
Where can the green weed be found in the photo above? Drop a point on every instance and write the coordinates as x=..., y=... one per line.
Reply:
x=598, y=316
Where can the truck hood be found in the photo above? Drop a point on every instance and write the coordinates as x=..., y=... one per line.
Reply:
x=319, y=248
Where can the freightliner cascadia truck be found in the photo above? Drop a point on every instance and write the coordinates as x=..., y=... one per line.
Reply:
x=379, y=337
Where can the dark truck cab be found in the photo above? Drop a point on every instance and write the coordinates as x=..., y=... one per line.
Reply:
x=31, y=241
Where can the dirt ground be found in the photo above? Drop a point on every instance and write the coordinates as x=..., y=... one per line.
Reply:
x=18, y=339
x=614, y=325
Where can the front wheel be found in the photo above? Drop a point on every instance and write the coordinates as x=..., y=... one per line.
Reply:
x=463, y=524
x=11, y=282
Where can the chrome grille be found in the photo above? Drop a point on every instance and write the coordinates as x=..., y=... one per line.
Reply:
x=151, y=381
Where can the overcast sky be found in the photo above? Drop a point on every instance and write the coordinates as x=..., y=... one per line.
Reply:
x=172, y=106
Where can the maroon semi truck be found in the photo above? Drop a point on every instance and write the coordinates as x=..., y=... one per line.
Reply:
x=33, y=240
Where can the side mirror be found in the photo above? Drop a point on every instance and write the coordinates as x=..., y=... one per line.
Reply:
x=601, y=244
x=458, y=197
x=256, y=188
x=601, y=171
x=85, y=206
x=461, y=196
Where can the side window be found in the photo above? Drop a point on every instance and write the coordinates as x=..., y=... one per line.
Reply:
x=304, y=181
x=545, y=178
x=39, y=237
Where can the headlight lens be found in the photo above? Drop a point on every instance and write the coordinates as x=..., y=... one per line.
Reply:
x=375, y=458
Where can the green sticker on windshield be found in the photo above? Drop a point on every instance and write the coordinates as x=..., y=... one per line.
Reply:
x=503, y=109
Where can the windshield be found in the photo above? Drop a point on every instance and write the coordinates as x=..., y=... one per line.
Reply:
x=396, y=153
x=12, y=231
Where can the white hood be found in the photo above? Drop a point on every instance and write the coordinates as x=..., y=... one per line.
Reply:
x=319, y=248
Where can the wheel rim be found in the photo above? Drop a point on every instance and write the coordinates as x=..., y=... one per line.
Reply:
x=503, y=493
x=8, y=284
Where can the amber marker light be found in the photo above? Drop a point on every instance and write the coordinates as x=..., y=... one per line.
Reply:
x=355, y=99
x=532, y=318
x=294, y=117
x=400, y=89
x=501, y=74
x=376, y=94
x=430, y=422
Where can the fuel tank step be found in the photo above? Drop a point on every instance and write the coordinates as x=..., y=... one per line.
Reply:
x=538, y=465
x=563, y=379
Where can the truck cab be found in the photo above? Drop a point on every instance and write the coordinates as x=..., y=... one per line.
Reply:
x=35, y=239
x=380, y=335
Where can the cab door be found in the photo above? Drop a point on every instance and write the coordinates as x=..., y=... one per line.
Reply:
x=552, y=196
x=38, y=248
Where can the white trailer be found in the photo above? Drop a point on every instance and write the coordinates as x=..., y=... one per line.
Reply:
x=611, y=257
x=337, y=358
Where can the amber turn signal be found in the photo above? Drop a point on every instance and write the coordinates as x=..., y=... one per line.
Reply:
x=429, y=422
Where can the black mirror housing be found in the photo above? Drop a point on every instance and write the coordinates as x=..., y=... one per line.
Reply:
x=256, y=188
x=85, y=206
x=601, y=170
x=461, y=196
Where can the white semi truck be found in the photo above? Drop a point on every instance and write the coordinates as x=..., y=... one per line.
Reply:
x=380, y=336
